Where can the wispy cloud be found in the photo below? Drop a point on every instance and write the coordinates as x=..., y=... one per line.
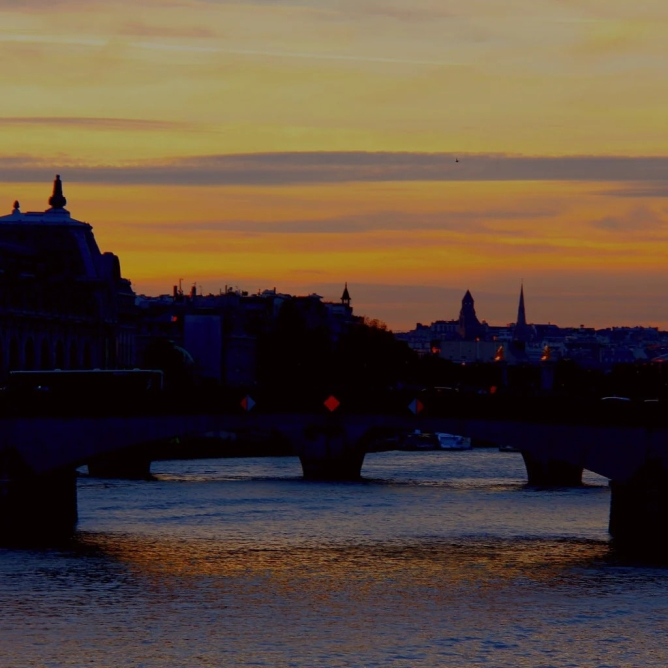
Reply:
x=649, y=190
x=96, y=123
x=638, y=221
x=271, y=54
x=32, y=6
x=136, y=28
x=29, y=6
x=471, y=221
x=276, y=169
x=56, y=40
x=301, y=55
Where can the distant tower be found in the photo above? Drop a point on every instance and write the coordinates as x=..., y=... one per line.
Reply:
x=522, y=331
x=521, y=313
x=345, y=297
x=469, y=325
x=57, y=200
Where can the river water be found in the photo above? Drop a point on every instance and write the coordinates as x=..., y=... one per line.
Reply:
x=434, y=559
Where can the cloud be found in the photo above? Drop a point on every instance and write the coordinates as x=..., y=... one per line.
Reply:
x=96, y=123
x=32, y=5
x=39, y=6
x=292, y=168
x=607, y=37
x=651, y=190
x=301, y=55
x=198, y=33
x=135, y=28
x=469, y=222
x=608, y=223
x=56, y=40
x=636, y=222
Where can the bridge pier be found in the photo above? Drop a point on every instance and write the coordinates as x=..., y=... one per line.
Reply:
x=548, y=472
x=639, y=512
x=38, y=509
x=326, y=453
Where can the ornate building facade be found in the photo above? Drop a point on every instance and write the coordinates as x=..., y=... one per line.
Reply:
x=63, y=303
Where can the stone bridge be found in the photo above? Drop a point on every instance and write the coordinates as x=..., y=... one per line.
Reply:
x=624, y=441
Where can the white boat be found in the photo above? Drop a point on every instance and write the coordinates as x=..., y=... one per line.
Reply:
x=452, y=442
x=419, y=440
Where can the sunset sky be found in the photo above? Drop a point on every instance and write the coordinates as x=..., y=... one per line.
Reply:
x=299, y=144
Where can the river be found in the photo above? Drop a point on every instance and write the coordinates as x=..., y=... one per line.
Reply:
x=433, y=559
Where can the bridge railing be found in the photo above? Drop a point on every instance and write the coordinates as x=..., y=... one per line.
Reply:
x=403, y=402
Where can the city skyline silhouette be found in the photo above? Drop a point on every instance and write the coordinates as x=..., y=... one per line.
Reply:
x=303, y=144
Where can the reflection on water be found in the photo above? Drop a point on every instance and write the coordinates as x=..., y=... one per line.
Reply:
x=431, y=561
x=423, y=562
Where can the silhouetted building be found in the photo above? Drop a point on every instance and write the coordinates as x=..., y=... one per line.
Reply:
x=223, y=333
x=468, y=351
x=345, y=297
x=63, y=303
x=470, y=327
x=522, y=333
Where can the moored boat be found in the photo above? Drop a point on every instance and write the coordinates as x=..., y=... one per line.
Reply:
x=453, y=442
x=419, y=440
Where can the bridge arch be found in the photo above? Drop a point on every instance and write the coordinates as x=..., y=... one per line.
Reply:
x=73, y=361
x=14, y=354
x=87, y=361
x=29, y=354
x=45, y=355
x=59, y=361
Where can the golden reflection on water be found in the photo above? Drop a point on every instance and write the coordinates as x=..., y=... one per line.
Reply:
x=472, y=563
x=201, y=602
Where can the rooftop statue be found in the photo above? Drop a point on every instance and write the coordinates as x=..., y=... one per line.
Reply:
x=57, y=199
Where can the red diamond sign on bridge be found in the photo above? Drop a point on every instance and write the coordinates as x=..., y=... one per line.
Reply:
x=247, y=403
x=416, y=406
x=332, y=403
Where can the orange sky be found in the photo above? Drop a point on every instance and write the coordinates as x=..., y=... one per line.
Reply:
x=303, y=143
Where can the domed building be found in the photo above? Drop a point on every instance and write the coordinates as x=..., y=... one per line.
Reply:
x=63, y=303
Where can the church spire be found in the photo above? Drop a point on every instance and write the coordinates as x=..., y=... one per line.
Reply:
x=522, y=331
x=57, y=200
x=345, y=297
x=521, y=314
